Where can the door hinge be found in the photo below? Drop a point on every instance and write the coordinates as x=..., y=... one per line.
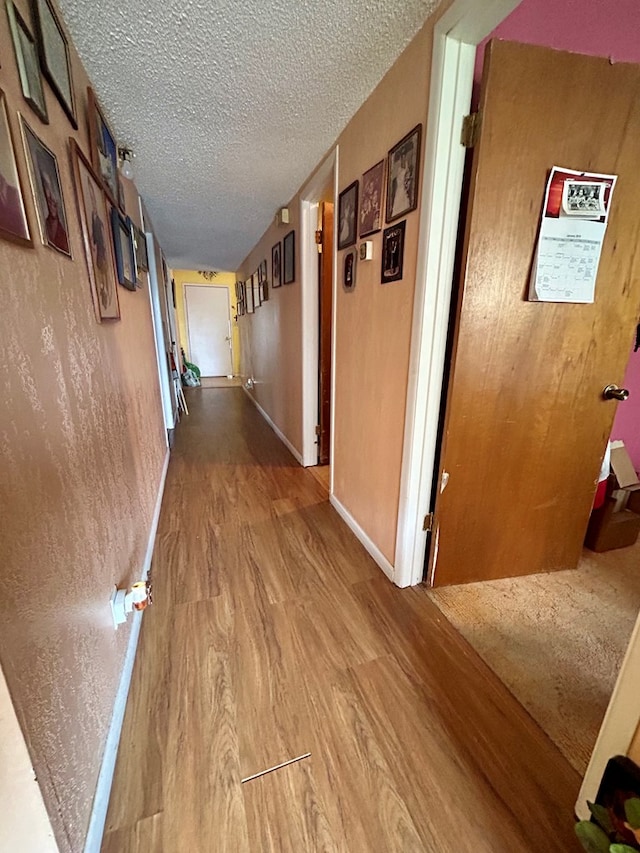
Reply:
x=428, y=522
x=318, y=430
x=470, y=130
x=319, y=238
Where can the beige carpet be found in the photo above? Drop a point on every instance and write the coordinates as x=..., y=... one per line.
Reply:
x=556, y=640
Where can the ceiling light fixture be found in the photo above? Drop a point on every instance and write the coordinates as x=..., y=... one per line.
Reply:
x=126, y=156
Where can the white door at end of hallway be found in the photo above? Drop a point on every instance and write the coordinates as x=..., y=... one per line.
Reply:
x=209, y=328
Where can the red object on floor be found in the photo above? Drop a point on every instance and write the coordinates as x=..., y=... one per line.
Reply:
x=601, y=492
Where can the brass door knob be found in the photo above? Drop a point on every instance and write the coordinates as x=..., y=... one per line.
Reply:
x=612, y=392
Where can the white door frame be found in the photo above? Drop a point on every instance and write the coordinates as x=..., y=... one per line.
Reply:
x=310, y=325
x=464, y=25
x=186, y=316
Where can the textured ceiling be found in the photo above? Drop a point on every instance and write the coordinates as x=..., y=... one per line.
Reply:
x=229, y=105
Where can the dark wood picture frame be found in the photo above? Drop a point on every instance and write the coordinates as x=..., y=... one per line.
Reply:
x=403, y=175
x=248, y=289
x=46, y=187
x=289, y=258
x=104, y=149
x=276, y=265
x=392, y=252
x=348, y=216
x=371, y=207
x=14, y=223
x=349, y=270
x=124, y=251
x=96, y=237
x=257, y=290
x=140, y=246
x=53, y=44
x=26, y=53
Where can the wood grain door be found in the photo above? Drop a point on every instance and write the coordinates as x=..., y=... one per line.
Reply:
x=326, y=306
x=526, y=425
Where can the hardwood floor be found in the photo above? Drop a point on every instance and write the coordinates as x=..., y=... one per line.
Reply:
x=274, y=634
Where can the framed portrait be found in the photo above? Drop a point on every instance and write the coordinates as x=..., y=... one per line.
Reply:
x=289, y=262
x=104, y=148
x=140, y=246
x=27, y=61
x=242, y=299
x=54, y=56
x=123, y=245
x=276, y=269
x=98, y=249
x=248, y=289
x=348, y=216
x=47, y=191
x=257, y=294
x=371, y=201
x=14, y=224
x=392, y=252
x=349, y=270
x=402, y=175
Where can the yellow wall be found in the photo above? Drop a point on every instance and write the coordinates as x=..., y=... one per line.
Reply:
x=222, y=279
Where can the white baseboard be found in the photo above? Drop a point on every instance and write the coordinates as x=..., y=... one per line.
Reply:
x=368, y=543
x=98, y=817
x=283, y=438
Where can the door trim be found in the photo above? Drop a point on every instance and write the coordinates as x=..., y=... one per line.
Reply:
x=464, y=25
x=186, y=316
x=309, y=200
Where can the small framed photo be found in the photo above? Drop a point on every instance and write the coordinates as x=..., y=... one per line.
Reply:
x=257, y=294
x=348, y=216
x=123, y=244
x=402, y=175
x=104, y=148
x=98, y=248
x=248, y=289
x=392, y=252
x=349, y=270
x=47, y=191
x=276, y=268
x=26, y=52
x=371, y=202
x=140, y=245
x=289, y=262
x=54, y=56
x=14, y=224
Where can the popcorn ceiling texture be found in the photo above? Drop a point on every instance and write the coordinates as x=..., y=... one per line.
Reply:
x=82, y=446
x=229, y=106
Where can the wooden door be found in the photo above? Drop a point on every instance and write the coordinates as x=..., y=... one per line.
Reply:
x=325, y=278
x=209, y=324
x=526, y=425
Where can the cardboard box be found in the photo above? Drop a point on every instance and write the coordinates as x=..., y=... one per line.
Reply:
x=625, y=474
x=616, y=524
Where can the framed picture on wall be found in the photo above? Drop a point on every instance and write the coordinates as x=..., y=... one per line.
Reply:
x=54, y=56
x=28, y=64
x=348, y=216
x=98, y=248
x=402, y=175
x=392, y=252
x=248, y=289
x=371, y=201
x=104, y=148
x=123, y=245
x=140, y=245
x=13, y=216
x=349, y=270
x=47, y=191
x=257, y=295
x=276, y=269
x=289, y=263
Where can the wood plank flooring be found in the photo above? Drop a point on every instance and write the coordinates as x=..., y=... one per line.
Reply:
x=273, y=634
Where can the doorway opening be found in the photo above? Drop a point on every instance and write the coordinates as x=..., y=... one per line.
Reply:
x=208, y=320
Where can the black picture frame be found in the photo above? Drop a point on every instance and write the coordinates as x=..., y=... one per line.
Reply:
x=26, y=52
x=104, y=149
x=248, y=290
x=14, y=223
x=289, y=258
x=371, y=207
x=276, y=265
x=348, y=216
x=403, y=175
x=392, y=252
x=349, y=270
x=140, y=245
x=124, y=251
x=52, y=47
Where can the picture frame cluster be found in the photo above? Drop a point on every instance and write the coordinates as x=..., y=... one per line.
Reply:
x=389, y=192
x=252, y=293
x=115, y=248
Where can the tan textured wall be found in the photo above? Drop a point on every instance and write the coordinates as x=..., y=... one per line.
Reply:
x=373, y=324
x=81, y=451
x=271, y=339
x=634, y=749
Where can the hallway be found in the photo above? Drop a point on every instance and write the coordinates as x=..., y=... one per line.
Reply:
x=274, y=634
